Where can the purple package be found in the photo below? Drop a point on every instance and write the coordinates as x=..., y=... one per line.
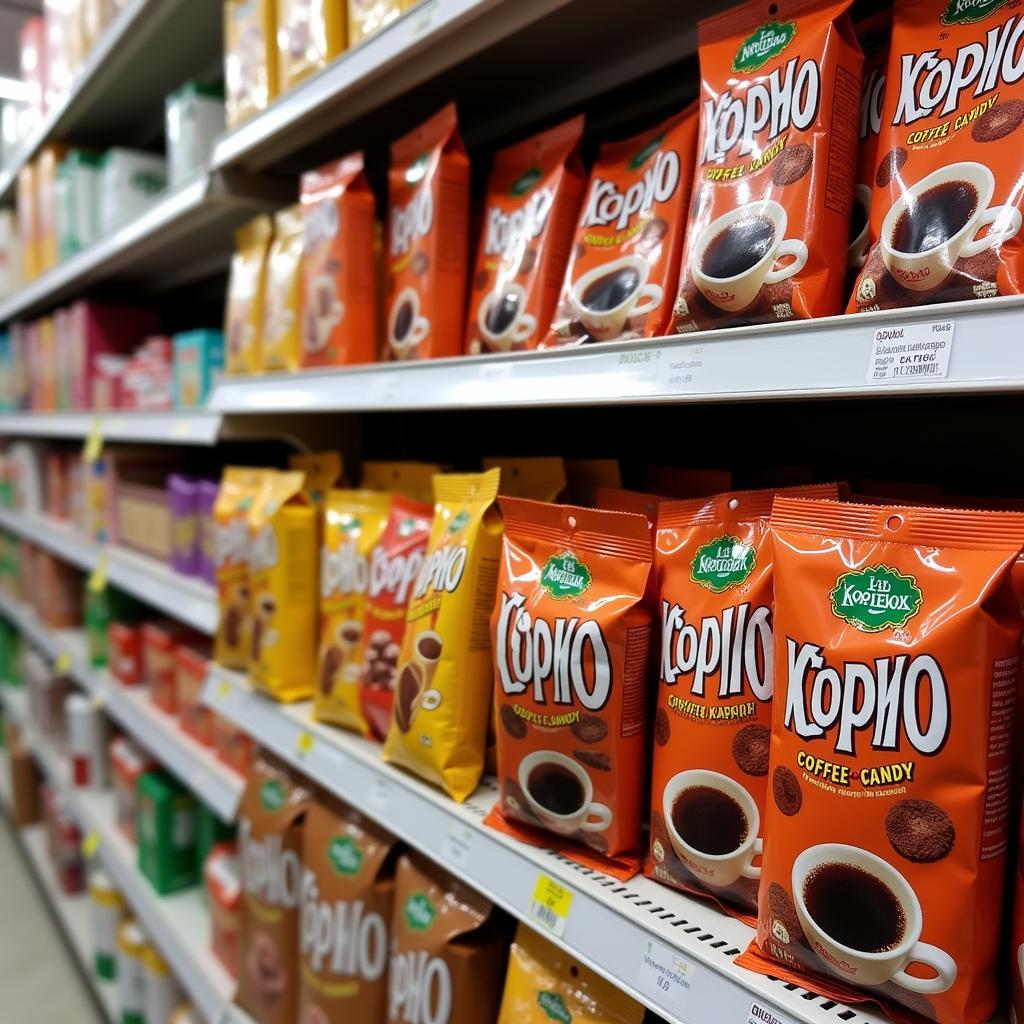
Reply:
x=184, y=495
x=204, y=514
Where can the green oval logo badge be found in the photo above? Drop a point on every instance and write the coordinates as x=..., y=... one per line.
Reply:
x=764, y=45
x=725, y=562
x=564, y=576
x=458, y=522
x=272, y=795
x=968, y=12
x=345, y=856
x=554, y=1006
x=419, y=912
x=526, y=182
x=875, y=598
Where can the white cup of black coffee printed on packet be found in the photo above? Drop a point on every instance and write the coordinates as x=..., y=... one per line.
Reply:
x=863, y=919
x=607, y=296
x=737, y=253
x=502, y=321
x=713, y=825
x=937, y=221
x=406, y=328
x=559, y=792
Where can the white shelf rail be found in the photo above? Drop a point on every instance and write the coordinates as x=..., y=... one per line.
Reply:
x=184, y=427
x=616, y=928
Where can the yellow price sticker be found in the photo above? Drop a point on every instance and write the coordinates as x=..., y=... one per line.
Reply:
x=90, y=844
x=180, y=429
x=98, y=701
x=223, y=690
x=62, y=665
x=93, y=441
x=305, y=743
x=551, y=904
x=98, y=576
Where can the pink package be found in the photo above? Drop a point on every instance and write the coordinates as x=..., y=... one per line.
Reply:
x=19, y=367
x=32, y=46
x=107, y=385
x=31, y=335
x=62, y=348
x=98, y=329
x=149, y=376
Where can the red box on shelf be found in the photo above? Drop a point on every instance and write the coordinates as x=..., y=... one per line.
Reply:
x=233, y=746
x=159, y=641
x=224, y=887
x=124, y=643
x=190, y=673
x=128, y=762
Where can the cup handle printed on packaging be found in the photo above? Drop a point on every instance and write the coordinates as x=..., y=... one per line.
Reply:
x=603, y=815
x=649, y=298
x=999, y=234
x=420, y=329
x=790, y=247
x=750, y=869
x=939, y=960
x=526, y=326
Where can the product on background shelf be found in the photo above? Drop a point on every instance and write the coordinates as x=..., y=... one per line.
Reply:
x=442, y=696
x=540, y=479
x=198, y=363
x=78, y=200
x=624, y=265
x=191, y=665
x=945, y=210
x=414, y=480
x=282, y=308
x=166, y=833
x=60, y=593
x=887, y=842
x=283, y=585
x=222, y=872
x=46, y=203
x=365, y=17
x=131, y=943
x=427, y=241
x=129, y=179
x=347, y=892
x=394, y=567
x=128, y=763
x=544, y=984
x=250, y=58
x=183, y=501
x=107, y=911
x=24, y=800
x=238, y=490
x=233, y=746
x=533, y=200
x=211, y=829
x=270, y=826
x=713, y=584
x=208, y=491
x=448, y=953
x=10, y=254
x=161, y=993
x=571, y=725
x=32, y=64
x=339, y=270
x=159, y=640
x=193, y=118
x=873, y=33
x=148, y=381
x=28, y=222
x=58, y=64
x=87, y=729
x=321, y=471
x=310, y=34
x=124, y=652
x=243, y=329
x=777, y=155
x=353, y=525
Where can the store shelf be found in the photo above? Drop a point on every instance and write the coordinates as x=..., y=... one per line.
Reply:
x=191, y=427
x=182, y=236
x=186, y=599
x=195, y=765
x=611, y=926
x=810, y=359
x=179, y=924
x=432, y=37
x=153, y=44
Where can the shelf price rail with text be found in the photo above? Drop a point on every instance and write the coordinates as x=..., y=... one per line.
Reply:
x=674, y=954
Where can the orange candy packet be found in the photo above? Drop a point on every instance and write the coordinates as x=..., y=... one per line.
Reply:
x=622, y=273
x=427, y=241
x=896, y=667
x=533, y=198
x=339, y=287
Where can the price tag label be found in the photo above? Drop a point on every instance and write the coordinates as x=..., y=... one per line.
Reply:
x=93, y=441
x=90, y=844
x=98, y=576
x=380, y=794
x=911, y=352
x=551, y=904
x=62, y=665
x=759, y=1013
x=304, y=743
x=666, y=976
x=423, y=20
x=679, y=370
x=458, y=844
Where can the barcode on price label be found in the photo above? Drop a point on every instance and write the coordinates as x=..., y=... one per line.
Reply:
x=760, y=1014
x=551, y=904
x=911, y=352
